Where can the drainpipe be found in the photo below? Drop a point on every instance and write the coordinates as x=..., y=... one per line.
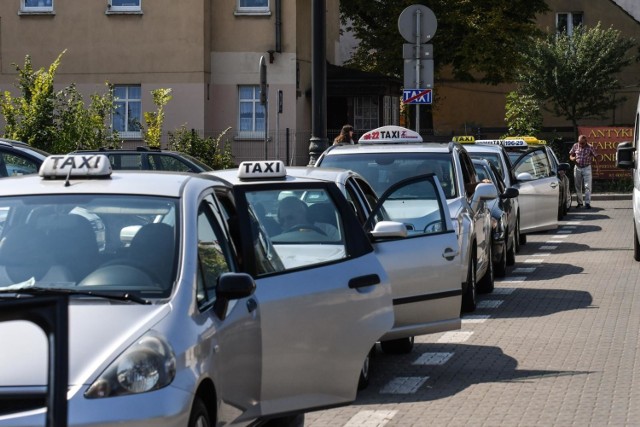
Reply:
x=279, y=26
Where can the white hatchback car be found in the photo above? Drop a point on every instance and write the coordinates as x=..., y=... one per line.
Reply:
x=166, y=328
x=390, y=154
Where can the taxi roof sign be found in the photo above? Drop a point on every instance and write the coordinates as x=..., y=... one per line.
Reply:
x=515, y=142
x=262, y=169
x=390, y=135
x=530, y=140
x=76, y=165
x=464, y=139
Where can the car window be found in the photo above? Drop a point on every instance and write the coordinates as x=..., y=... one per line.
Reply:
x=120, y=243
x=301, y=234
x=214, y=253
x=17, y=165
x=493, y=158
x=535, y=163
x=168, y=163
x=381, y=170
x=125, y=161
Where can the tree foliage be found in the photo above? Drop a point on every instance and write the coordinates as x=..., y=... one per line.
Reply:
x=55, y=121
x=522, y=115
x=480, y=40
x=155, y=119
x=574, y=76
x=213, y=152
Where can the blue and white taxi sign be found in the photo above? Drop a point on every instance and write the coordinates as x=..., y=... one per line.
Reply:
x=76, y=165
x=503, y=142
x=262, y=169
x=390, y=134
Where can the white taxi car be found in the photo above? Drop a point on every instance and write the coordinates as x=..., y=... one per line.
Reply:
x=165, y=327
x=390, y=154
x=409, y=228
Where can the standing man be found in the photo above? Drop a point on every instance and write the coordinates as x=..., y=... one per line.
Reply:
x=583, y=154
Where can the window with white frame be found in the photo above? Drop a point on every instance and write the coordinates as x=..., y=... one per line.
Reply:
x=125, y=5
x=567, y=22
x=252, y=6
x=37, y=5
x=251, y=112
x=365, y=112
x=127, y=115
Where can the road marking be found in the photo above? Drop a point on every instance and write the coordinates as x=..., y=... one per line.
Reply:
x=371, y=418
x=433, y=359
x=514, y=279
x=559, y=236
x=548, y=248
x=503, y=291
x=476, y=318
x=574, y=222
x=491, y=303
x=565, y=231
x=532, y=261
x=403, y=385
x=542, y=254
x=524, y=270
x=455, y=337
x=569, y=227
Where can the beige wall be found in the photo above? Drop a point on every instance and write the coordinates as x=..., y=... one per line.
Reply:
x=484, y=105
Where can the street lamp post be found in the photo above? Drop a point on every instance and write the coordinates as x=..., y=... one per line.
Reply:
x=318, y=141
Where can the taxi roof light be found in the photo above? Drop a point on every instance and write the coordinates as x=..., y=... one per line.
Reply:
x=515, y=142
x=464, y=139
x=390, y=135
x=262, y=169
x=75, y=166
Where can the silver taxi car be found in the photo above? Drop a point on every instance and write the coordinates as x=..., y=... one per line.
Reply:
x=409, y=228
x=166, y=328
x=389, y=154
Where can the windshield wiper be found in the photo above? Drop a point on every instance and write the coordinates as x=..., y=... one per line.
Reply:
x=35, y=290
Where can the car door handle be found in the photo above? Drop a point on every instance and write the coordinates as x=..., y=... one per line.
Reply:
x=362, y=281
x=449, y=254
x=553, y=184
x=251, y=305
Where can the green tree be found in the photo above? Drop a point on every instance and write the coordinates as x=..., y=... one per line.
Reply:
x=214, y=152
x=480, y=40
x=155, y=119
x=522, y=114
x=57, y=122
x=574, y=76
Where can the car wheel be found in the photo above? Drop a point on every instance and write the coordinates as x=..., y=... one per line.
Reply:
x=397, y=346
x=486, y=284
x=523, y=239
x=500, y=268
x=511, y=250
x=469, y=302
x=560, y=210
x=296, y=420
x=199, y=416
x=517, y=236
x=365, y=372
x=636, y=244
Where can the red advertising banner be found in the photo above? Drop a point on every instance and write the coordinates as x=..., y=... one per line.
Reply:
x=605, y=140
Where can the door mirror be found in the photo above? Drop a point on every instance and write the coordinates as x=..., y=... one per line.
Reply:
x=484, y=191
x=231, y=286
x=524, y=176
x=625, y=156
x=563, y=167
x=510, y=193
x=389, y=229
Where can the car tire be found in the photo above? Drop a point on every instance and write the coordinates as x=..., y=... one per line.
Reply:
x=487, y=283
x=365, y=372
x=500, y=268
x=516, y=234
x=296, y=420
x=397, y=346
x=636, y=244
x=469, y=297
x=200, y=416
x=511, y=250
x=523, y=239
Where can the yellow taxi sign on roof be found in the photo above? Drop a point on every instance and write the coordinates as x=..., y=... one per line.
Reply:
x=262, y=169
x=530, y=140
x=75, y=165
x=464, y=139
x=390, y=134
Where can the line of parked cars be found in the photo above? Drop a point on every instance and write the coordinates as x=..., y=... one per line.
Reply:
x=256, y=294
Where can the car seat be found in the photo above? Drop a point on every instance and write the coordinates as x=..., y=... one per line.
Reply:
x=153, y=248
x=323, y=212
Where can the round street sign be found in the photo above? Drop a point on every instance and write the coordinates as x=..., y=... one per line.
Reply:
x=407, y=23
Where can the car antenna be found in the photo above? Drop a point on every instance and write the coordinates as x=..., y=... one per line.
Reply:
x=66, y=181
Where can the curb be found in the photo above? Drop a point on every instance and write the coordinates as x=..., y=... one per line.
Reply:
x=610, y=196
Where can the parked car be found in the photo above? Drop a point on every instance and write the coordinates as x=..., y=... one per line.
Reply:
x=389, y=154
x=18, y=158
x=422, y=260
x=503, y=218
x=198, y=319
x=148, y=158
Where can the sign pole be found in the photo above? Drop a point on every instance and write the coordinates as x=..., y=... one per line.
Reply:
x=264, y=102
x=417, y=55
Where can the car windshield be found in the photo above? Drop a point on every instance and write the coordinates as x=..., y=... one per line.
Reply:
x=382, y=170
x=493, y=158
x=101, y=243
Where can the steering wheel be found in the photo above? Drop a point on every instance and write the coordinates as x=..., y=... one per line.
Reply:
x=433, y=223
x=300, y=227
x=155, y=278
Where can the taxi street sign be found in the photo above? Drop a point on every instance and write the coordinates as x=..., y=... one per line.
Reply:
x=417, y=96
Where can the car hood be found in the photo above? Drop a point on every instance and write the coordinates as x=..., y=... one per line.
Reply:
x=97, y=334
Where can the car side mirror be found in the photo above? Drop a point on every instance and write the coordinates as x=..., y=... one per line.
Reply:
x=563, y=167
x=510, y=193
x=232, y=286
x=389, y=229
x=524, y=176
x=625, y=156
x=484, y=191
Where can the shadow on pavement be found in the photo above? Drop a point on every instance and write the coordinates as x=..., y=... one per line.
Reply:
x=545, y=271
x=536, y=302
x=564, y=247
x=467, y=366
x=588, y=216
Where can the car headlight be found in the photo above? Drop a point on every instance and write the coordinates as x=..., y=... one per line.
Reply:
x=147, y=365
